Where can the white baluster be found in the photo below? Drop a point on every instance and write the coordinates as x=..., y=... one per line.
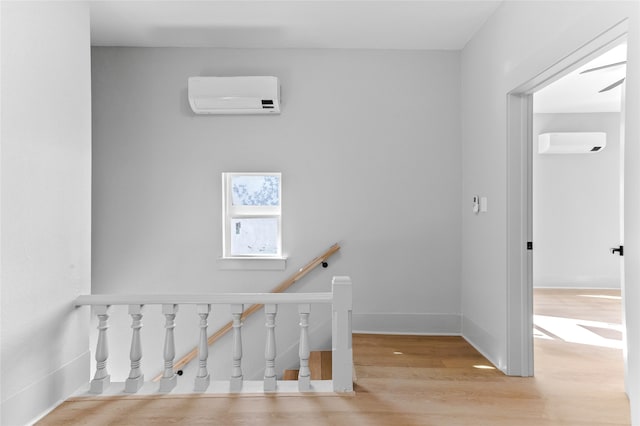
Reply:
x=203, y=379
x=342, y=356
x=102, y=379
x=304, y=375
x=169, y=378
x=136, y=378
x=236, y=369
x=270, y=349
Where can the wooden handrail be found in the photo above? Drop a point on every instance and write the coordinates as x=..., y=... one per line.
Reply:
x=253, y=308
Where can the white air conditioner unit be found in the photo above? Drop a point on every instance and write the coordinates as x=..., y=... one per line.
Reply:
x=234, y=95
x=571, y=142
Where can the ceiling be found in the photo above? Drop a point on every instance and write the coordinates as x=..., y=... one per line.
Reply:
x=361, y=24
x=346, y=24
x=578, y=93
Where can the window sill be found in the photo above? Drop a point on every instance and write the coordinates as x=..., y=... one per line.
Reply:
x=252, y=263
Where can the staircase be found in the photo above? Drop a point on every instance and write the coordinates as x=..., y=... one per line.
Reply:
x=320, y=364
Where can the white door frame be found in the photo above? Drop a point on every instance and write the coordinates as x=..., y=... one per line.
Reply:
x=519, y=197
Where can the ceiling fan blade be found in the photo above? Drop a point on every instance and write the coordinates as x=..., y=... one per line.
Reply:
x=616, y=64
x=616, y=84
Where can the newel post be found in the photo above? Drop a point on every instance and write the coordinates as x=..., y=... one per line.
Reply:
x=342, y=355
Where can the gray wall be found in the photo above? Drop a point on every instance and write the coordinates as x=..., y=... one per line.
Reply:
x=368, y=146
x=46, y=205
x=576, y=206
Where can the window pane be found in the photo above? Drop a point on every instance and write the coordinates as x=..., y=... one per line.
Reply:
x=255, y=190
x=254, y=236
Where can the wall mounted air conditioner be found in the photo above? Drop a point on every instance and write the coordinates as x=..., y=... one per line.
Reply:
x=571, y=142
x=234, y=95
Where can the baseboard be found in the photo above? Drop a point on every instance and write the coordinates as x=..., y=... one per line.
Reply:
x=483, y=342
x=581, y=284
x=38, y=399
x=577, y=286
x=400, y=323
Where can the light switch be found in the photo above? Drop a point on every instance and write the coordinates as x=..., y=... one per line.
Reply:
x=476, y=204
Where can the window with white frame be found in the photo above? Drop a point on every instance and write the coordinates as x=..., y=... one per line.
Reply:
x=251, y=204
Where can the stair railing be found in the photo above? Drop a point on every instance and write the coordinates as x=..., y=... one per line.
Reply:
x=340, y=298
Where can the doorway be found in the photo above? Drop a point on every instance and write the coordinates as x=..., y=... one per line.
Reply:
x=576, y=214
x=576, y=204
x=520, y=242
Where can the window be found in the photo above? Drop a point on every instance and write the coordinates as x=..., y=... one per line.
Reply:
x=251, y=215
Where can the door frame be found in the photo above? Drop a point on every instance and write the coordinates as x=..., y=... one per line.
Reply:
x=519, y=196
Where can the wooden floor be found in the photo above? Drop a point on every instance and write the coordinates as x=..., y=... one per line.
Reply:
x=409, y=380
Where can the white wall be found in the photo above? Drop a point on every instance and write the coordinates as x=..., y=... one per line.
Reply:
x=45, y=215
x=368, y=146
x=576, y=206
x=507, y=52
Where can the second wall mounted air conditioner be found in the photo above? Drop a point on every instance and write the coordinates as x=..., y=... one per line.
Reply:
x=234, y=95
x=571, y=142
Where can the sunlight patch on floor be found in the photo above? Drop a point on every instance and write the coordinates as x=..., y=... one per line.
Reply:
x=578, y=331
x=484, y=367
x=539, y=334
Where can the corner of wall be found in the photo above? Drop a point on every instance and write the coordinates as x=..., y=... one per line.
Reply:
x=483, y=342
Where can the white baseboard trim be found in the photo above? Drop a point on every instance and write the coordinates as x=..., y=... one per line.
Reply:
x=483, y=342
x=402, y=333
x=400, y=323
x=38, y=399
x=592, y=283
x=581, y=286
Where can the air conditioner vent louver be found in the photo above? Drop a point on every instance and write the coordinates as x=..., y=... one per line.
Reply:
x=234, y=95
x=571, y=142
